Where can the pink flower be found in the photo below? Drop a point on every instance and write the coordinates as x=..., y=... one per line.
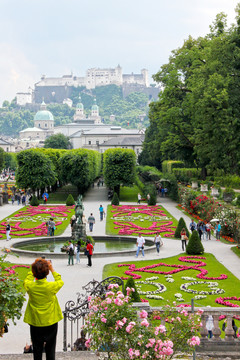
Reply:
x=145, y=323
x=143, y=314
x=103, y=319
x=160, y=328
x=118, y=302
x=193, y=341
x=88, y=343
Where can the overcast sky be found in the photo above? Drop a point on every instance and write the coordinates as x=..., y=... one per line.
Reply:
x=57, y=37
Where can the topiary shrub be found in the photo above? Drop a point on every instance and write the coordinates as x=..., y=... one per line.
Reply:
x=181, y=225
x=34, y=201
x=70, y=200
x=134, y=297
x=194, y=246
x=115, y=199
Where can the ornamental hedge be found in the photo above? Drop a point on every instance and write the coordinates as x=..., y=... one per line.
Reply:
x=169, y=165
x=181, y=225
x=194, y=246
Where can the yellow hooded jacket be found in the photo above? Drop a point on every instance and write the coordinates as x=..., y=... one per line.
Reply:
x=43, y=308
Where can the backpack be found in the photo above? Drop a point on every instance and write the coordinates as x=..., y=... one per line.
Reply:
x=71, y=251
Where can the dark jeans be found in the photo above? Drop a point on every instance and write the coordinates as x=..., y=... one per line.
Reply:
x=70, y=259
x=52, y=232
x=158, y=246
x=91, y=227
x=101, y=215
x=89, y=260
x=41, y=335
x=184, y=243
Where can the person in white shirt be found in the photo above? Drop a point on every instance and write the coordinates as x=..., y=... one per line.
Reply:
x=139, y=198
x=140, y=244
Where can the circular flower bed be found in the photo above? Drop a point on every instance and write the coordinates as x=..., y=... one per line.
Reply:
x=185, y=287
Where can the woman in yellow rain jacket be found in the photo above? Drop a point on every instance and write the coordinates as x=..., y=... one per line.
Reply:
x=43, y=311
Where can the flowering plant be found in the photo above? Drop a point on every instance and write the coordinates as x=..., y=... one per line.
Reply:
x=11, y=297
x=116, y=328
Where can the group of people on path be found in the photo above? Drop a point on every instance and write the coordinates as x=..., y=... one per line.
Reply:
x=75, y=249
x=204, y=230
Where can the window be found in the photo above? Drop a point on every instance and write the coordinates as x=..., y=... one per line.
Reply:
x=45, y=125
x=89, y=142
x=39, y=125
x=97, y=142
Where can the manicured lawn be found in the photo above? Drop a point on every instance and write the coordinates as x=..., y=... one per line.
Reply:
x=135, y=219
x=30, y=221
x=129, y=193
x=231, y=285
x=60, y=196
x=236, y=250
x=21, y=271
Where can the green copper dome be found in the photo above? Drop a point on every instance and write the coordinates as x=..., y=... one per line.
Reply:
x=79, y=106
x=43, y=115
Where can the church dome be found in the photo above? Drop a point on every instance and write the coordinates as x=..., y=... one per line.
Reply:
x=79, y=106
x=95, y=107
x=43, y=115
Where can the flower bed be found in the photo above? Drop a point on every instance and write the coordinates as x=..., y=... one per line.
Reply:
x=142, y=219
x=22, y=222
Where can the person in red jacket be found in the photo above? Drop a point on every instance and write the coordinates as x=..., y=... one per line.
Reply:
x=89, y=248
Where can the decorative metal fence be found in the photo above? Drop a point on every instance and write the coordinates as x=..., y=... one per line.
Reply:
x=75, y=312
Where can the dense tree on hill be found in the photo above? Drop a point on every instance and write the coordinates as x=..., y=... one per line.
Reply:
x=57, y=141
x=2, y=158
x=197, y=116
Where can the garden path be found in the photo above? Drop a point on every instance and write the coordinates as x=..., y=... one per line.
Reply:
x=76, y=276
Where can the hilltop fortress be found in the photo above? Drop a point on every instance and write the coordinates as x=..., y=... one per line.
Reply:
x=58, y=89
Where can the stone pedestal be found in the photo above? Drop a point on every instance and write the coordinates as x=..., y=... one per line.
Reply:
x=204, y=187
x=214, y=192
x=1, y=200
x=5, y=198
x=194, y=184
x=79, y=232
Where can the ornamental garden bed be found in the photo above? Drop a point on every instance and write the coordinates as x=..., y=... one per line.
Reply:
x=180, y=278
x=30, y=221
x=20, y=270
x=134, y=219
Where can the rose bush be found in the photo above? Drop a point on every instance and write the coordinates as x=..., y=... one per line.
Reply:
x=115, y=327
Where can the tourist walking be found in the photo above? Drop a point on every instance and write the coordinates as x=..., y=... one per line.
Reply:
x=208, y=230
x=204, y=231
x=139, y=198
x=89, y=249
x=209, y=326
x=158, y=241
x=72, y=221
x=148, y=198
x=51, y=227
x=8, y=229
x=200, y=229
x=102, y=212
x=218, y=230
x=43, y=311
x=184, y=239
x=23, y=200
x=91, y=222
x=13, y=199
x=70, y=251
x=192, y=226
x=140, y=244
x=78, y=252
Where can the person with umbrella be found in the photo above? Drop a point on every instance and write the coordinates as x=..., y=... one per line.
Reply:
x=45, y=197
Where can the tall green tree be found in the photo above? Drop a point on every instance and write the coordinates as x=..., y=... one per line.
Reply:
x=2, y=158
x=197, y=116
x=119, y=168
x=35, y=170
x=57, y=141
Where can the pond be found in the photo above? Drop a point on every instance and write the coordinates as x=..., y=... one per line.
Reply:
x=102, y=245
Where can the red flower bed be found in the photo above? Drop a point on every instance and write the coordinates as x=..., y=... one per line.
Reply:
x=177, y=268
x=40, y=230
x=128, y=227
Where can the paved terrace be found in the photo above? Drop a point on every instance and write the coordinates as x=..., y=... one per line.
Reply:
x=76, y=276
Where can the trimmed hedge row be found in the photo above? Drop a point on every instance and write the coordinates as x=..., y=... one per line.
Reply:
x=169, y=165
x=186, y=174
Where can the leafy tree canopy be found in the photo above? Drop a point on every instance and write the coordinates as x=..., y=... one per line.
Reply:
x=57, y=141
x=197, y=116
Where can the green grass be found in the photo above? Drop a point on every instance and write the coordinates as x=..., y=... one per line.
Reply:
x=20, y=272
x=28, y=222
x=60, y=196
x=231, y=285
x=146, y=223
x=236, y=250
x=129, y=193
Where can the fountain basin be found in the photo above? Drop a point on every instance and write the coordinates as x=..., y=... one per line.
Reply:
x=104, y=246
